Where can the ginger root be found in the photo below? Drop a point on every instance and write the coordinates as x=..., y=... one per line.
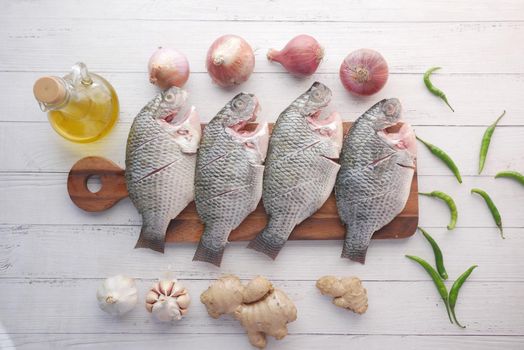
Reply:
x=261, y=309
x=347, y=292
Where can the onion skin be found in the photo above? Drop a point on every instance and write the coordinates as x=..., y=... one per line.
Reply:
x=364, y=72
x=301, y=56
x=168, y=67
x=230, y=60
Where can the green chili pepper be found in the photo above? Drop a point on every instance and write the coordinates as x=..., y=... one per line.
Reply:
x=444, y=157
x=492, y=208
x=441, y=287
x=486, y=139
x=512, y=175
x=439, y=260
x=434, y=90
x=454, y=291
x=449, y=201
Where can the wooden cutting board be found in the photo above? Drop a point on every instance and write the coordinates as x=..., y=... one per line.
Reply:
x=186, y=227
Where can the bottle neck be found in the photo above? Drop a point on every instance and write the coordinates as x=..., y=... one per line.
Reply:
x=51, y=93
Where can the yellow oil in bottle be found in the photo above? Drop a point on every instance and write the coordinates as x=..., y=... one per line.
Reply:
x=86, y=119
x=82, y=106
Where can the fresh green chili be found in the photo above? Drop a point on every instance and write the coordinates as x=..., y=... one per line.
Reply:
x=454, y=291
x=441, y=287
x=486, y=139
x=434, y=90
x=492, y=208
x=444, y=157
x=451, y=204
x=512, y=175
x=439, y=260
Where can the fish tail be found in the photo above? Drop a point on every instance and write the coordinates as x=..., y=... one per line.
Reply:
x=355, y=248
x=209, y=255
x=271, y=240
x=152, y=237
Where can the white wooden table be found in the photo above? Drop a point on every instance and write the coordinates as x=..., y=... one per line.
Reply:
x=53, y=255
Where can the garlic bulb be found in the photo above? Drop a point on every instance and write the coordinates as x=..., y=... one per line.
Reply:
x=168, y=300
x=117, y=295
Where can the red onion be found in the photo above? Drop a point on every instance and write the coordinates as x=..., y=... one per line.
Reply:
x=364, y=72
x=230, y=60
x=301, y=56
x=167, y=68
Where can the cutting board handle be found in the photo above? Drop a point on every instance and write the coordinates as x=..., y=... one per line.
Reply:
x=111, y=176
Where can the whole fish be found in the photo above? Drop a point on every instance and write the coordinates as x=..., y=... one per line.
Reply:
x=300, y=173
x=160, y=163
x=374, y=181
x=228, y=183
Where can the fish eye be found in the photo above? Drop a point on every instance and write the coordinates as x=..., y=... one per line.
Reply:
x=169, y=97
x=389, y=109
x=238, y=104
x=316, y=95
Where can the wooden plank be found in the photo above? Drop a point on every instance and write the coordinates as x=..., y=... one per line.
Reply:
x=69, y=306
x=49, y=251
x=59, y=155
x=44, y=196
x=267, y=10
x=485, y=47
x=233, y=341
x=473, y=106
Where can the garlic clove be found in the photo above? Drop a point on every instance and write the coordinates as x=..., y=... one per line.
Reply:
x=166, y=310
x=183, y=301
x=166, y=286
x=117, y=295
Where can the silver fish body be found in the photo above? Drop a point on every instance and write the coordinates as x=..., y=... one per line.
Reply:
x=300, y=173
x=160, y=164
x=229, y=171
x=377, y=166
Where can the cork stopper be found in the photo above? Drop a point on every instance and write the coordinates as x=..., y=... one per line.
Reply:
x=50, y=90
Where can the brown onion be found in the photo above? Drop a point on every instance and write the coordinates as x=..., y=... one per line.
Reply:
x=364, y=72
x=168, y=67
x=230, y=60
x=301, y=56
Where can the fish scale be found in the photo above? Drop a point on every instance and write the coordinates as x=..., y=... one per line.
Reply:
x=159, y=174
x=374, y=180
x=228, y=186
x=299, y=176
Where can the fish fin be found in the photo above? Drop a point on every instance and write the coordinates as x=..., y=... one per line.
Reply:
x=206, y=254
x=356, y=245
x=271, y=240
x=354, y=254
x=152, y=233
x=263, y=245
x=151, y=239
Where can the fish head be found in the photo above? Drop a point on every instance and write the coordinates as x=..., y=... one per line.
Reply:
x=313, y=101
x=170, y=103
x=311, y=104
x=239, y=112
x=395, y=132
x=384, y=114
x=186, y=130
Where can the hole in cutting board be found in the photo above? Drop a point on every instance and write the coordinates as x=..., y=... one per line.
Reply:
x=94, y=183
